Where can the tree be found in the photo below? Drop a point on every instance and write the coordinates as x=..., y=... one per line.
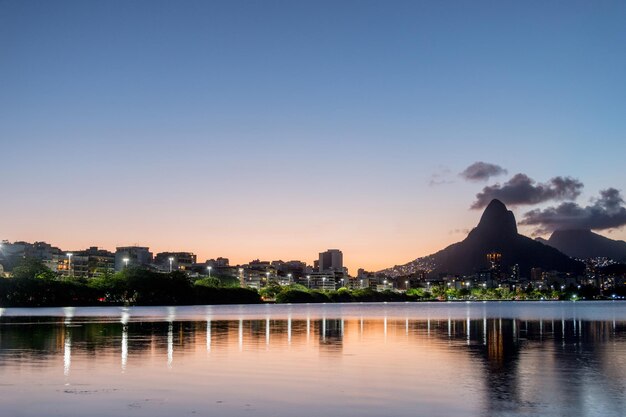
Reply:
x=29, y=268
x=208, y=282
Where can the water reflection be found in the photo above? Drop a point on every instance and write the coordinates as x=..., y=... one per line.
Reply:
x=478, y=364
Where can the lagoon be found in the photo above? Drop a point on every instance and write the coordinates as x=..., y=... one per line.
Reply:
x=378, y=359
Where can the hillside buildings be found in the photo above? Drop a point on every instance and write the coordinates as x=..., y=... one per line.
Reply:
x=327, y=272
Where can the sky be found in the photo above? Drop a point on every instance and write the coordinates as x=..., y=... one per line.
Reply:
x=278, y=129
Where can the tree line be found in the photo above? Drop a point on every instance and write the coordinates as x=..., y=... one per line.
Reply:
x=35, y=285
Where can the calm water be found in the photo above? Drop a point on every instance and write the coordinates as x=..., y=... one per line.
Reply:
x=439, y=359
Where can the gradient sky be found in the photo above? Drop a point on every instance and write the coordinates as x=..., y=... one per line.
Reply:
x=277, y=129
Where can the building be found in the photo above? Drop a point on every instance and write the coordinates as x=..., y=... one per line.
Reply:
x=295, y=269
x=330, y=261
x=88, y=263
x=218, y=263
x=179, y=260
x=495, y=264
x=324, y=281
x=74, y=265
x=536, y=274
x=252, y=278
x=132, y=256
x=12, y=253
x=101, y=261
x=42, y=251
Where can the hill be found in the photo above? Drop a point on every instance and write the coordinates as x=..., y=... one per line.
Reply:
x=585, y=244
x=496, y=232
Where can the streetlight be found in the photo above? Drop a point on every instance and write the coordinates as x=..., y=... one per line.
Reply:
x=324, y=283
x=308, y=281
x=125, y=260
x=406, y=285
x=289, y=277
x=69, y=263
x=171, y=259
x=209, y=268
x=361, y=283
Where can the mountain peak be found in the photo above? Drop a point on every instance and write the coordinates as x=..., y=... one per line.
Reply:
x=583, y=243
x=496, y=232
x=496, y=205
x=498, y=219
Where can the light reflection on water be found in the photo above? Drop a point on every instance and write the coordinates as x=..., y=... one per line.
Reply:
x=470, y=359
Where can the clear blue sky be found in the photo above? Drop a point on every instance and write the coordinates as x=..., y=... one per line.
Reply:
x=280, y=128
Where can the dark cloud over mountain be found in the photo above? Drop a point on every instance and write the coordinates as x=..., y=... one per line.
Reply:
x=522, y=190
x=607, y=212
x=482, y=171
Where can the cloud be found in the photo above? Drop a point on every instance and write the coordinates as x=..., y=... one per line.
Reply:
x=441, y=177
x=606, y=212
x=522, y=190
x=482, y=171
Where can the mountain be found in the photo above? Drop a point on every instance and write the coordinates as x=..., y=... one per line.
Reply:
x=496, y=232
x=585, y=244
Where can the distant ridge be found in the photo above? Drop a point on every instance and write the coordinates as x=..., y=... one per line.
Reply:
x=585, y=244
x=496, y=232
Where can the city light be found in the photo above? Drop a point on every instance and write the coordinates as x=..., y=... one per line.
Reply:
x=69, y=262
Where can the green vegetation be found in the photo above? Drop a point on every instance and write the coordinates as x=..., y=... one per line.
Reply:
x=300, y=294
x=528, y=293
x=34, y=285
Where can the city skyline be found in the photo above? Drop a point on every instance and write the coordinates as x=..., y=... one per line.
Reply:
x=273, y=131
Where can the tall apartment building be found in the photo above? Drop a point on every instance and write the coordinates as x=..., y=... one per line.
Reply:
x=331, y=260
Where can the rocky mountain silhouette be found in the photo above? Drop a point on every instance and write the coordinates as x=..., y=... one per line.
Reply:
x=585, y=244
x=496, y=232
